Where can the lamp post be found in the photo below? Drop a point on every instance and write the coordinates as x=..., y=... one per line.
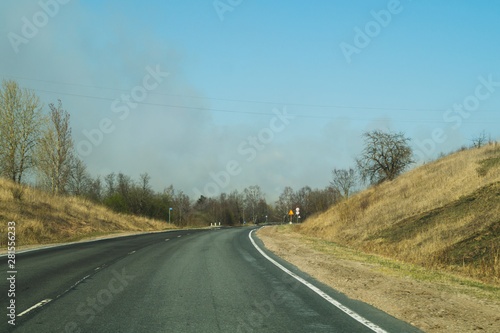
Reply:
x=169, y=216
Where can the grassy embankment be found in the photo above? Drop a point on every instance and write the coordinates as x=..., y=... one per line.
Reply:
x=443, y=215
x=42, y=218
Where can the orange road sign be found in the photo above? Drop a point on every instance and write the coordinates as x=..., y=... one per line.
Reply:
x=291, y=212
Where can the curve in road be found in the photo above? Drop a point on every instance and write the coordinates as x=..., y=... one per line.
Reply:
x=220, y=280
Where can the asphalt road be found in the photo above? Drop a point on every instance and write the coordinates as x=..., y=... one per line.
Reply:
x=181, y=281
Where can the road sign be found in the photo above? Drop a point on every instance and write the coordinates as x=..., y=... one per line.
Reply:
x=297, y=210
x=291, y=212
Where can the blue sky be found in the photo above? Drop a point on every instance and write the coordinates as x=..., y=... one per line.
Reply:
x=228, y=77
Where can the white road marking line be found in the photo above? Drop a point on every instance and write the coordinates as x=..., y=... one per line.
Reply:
x=179, y=236
x=166, y=240
x=321, y=293
x=78, y=282
x=131, y=252
x=79, y=242
x=37, y=305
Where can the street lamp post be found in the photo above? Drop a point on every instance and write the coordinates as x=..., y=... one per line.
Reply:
x=169, y=217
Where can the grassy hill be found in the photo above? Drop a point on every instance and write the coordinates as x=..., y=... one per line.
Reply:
x=42, y=218
x=444, y=214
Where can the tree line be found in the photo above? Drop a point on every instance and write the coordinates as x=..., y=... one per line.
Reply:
x=39, y=143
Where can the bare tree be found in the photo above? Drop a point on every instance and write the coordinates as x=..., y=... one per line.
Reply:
x=303, y=201
x=94, y=190
x=124, y=185
x=253, y=195
x=145, y=193
x=55, y=151
x=321, y=200
x=79, y=180
x=384, y=157
x=109, y=179
x=183, y=205
x=263, y=211
x=285, y=202
x=20, y=129
x=480, y=140
x=236, y=204
x=343, y=181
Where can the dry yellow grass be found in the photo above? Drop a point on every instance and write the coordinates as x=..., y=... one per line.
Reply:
x=424, y=215
x=43, y=218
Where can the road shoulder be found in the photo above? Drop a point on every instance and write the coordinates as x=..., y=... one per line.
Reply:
x=432, y=306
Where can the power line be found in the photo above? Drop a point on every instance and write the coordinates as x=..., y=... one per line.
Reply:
x=307, y=116
x=331, y=106
x=249, y=112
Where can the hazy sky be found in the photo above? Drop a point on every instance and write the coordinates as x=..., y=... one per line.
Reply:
x=212, y=96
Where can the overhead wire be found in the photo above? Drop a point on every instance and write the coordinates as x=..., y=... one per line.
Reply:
x=310, y=116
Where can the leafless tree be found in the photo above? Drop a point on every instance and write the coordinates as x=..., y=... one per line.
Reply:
x=253, y=195
x=480, y=140
x=145, y=193
x=285, y=202
x=109, y=179
x=79, y=180
x=124, y=185
x=236, y=204
x=20, y=128
x=343, y=180
x=182, y=203
x=384, y=157
x=303, y=201
x=55, y=151
x=94, y=191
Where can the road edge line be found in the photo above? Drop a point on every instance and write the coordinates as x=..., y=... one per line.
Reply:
x=318, y=291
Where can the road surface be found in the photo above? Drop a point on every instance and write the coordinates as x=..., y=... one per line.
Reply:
x=178, y=281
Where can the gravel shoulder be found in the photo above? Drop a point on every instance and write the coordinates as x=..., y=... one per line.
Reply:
x=433, y=302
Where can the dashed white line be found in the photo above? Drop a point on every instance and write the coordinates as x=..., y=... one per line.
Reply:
x=166, y=240
x=96, y=269
x=321, y=293
x=37, y=305
x=131, y=252
x=77, y=283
